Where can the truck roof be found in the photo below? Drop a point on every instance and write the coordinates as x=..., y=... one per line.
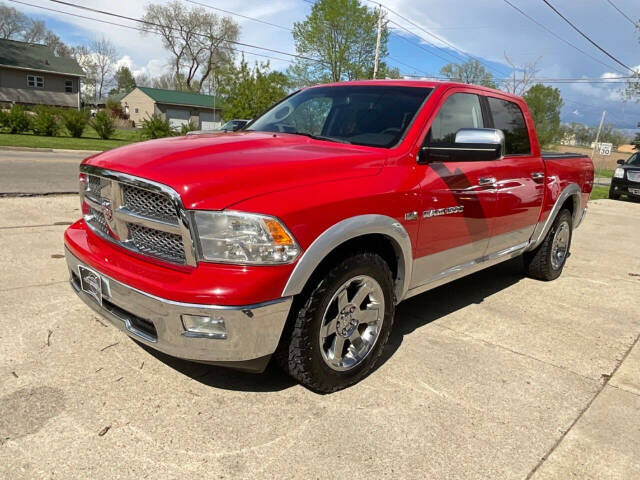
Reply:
x=418, y=83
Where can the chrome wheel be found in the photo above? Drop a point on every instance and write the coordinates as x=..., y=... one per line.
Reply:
x=352, y=322
x=560, y=245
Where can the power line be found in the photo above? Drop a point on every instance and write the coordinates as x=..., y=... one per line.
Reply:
x=587, y=37
x=551, y=32
x=158, y=25
x=436, y=36
x=622, y=13
x=264, y=22
x=130, y=27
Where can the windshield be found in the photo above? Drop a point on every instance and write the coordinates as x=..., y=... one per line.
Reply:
x=634, y=160
x=377, y=116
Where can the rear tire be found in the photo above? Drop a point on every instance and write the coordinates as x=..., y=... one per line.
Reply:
x=350, y=309
x=548, y=259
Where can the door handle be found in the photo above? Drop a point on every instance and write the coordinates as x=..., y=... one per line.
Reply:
x=486, y=181
x=537, y=176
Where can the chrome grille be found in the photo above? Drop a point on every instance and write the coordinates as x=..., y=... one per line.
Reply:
x=148, y=203
x=157, y=243
x=137, y=214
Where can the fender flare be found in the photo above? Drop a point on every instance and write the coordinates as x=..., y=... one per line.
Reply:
x=573, y=191
x=348, y=229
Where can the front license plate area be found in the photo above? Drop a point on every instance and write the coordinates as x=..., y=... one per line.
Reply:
x=90, y=283
x=635, y=191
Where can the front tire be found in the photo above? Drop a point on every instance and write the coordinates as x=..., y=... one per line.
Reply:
x=547, y=260
x=613, y=195
x=341, y=325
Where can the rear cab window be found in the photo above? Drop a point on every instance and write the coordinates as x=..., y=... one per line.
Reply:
x=508, y=117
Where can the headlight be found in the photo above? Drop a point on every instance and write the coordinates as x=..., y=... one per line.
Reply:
x=236, y=237
x=619, y=173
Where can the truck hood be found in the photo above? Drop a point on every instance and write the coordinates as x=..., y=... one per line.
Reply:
x=215, y=171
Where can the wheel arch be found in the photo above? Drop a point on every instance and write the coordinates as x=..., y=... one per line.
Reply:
x=359, y=231
x=569, y=198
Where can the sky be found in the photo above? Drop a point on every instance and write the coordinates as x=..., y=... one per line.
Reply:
x=482, y=29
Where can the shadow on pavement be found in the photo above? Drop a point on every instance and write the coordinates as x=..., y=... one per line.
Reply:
x=410, y=315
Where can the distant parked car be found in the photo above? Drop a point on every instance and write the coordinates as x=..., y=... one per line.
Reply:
x=233, y=125
x=626, y=179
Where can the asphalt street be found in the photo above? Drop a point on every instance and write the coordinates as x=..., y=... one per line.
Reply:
x=495, y=376
x=30, y=172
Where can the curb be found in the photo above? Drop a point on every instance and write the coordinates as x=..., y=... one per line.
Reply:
x=49, y=150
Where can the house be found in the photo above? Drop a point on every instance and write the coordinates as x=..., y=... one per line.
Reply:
x=180, y=108
x=32, y=74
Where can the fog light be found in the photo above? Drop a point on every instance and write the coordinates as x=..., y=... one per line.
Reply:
x=199, y=326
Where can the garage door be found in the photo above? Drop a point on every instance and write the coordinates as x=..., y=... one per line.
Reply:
x=178, y=118
x=208, y=121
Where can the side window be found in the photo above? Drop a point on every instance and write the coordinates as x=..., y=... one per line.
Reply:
x=460, y=110
x=508, y=117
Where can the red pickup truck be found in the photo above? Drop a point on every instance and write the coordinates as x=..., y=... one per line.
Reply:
x=297, y=236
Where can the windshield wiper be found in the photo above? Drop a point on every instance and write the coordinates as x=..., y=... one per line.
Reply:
x=321, y=137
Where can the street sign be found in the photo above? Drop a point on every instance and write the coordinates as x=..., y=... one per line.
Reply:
x=605, y=148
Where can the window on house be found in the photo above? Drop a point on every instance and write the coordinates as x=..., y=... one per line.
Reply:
x=68, y=86
x=34, y=81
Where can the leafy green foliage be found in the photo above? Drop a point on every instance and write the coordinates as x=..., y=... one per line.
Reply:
x=545, y=104
x=4, y=119
x=343, y=34
x=125, y=82
x=155, y=127
x=584, y=135
x=103, y=124
x=636, y=142
x=46, y=121
x=75, y=121
x=187, y=127
x=472, y=72
x=248, y=92
x=18, y=119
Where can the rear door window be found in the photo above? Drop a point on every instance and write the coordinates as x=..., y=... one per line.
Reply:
x=508, y=117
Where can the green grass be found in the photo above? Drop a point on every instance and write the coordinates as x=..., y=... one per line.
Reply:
x=603, y=173
x=599, y=192
x=88, y=141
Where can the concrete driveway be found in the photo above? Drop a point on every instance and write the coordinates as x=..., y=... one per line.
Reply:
x=39, y=172
x=495, y=376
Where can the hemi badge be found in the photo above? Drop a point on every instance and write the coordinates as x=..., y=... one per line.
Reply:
x=442, y=211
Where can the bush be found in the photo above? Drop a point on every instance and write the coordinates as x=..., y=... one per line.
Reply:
x=156, y=127
x=187, y=127
x=4, y=119
x=75, y=121
x=46, y=121
x=18, y=119
x=102, y=123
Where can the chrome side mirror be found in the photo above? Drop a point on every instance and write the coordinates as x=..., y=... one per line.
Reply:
x=471, y=145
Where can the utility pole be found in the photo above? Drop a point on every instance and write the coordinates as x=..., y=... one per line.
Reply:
x=593, y=152
x=375, y=66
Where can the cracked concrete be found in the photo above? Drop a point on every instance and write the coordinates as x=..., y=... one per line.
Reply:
x=493, y=376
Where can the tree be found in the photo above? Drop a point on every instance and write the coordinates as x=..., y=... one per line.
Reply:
x=545, y=104
x=125, y=82
x=472, y=72
x=104, y=57
x=522, y=77
x=636, y=142
x=246, y=92
x=199, y=41
x=342, y=35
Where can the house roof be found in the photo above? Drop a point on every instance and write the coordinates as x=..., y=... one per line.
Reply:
x=33, y=56
x=174, y=97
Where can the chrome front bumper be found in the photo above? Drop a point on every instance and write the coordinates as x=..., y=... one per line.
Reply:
x=252, y=331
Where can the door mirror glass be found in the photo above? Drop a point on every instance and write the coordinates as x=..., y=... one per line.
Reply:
x=471, y=145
